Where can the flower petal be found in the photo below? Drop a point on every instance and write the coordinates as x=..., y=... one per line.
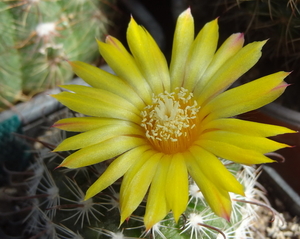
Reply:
x=149, y=58
x=98, y=135
x=246, y=97
x=177, y=185
x=116, y=170
x=123, y=64
x=135, y=169
x=230, y=72
x=215, y=171
x=183, y=38
x=228, y=49
x=217, y=198
x=136, y=188
x=246, y=127
x=104, y=95
x=81, y=124
x=157, y=207
x=102, y=151
x=201, y=53
x=95, y=107
x=101, y=79
x=255, y=143
x=233, y=153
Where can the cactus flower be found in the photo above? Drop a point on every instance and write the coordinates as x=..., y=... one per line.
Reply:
x=162, y=123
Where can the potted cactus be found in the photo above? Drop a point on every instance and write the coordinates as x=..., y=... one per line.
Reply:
x=81, y=199
x=45, y=203
x=37, y=37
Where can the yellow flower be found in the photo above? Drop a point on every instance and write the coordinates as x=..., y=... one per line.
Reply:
x=163, y=123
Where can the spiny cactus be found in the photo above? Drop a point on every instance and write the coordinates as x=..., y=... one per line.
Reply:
x=36, y=38
x=48, y=203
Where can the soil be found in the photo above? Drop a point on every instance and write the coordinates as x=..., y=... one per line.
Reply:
x=283, y=227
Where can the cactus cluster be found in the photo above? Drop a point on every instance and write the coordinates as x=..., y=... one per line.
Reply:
x=37, y=36
x=44, y=202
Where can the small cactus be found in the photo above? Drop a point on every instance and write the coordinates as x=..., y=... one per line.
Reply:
x=49, y=203
x=38, y=36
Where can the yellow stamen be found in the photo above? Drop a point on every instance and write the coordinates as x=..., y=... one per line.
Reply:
x=170, y=122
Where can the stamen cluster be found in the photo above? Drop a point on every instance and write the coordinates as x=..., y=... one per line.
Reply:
x=170, y=121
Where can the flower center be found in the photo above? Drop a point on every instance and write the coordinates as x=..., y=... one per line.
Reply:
x=171, y=121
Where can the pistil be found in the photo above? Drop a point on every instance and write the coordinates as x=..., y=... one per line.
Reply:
x=170, y=121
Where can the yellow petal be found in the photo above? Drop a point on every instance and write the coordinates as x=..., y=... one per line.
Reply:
x=128, y=177
x=102, y=151
x=148, y=57
x=183, y=38
x=201, y=53
x=218, y=199
x=103, y=95
x=233, y=153
x=177, y=185
x=246, y=97
x=246, y=127
x=215, y=171
x=255, y=143
x=125, y=67
x=157, y=207
x=116, y=170
x=228, y=49
x=95, y=107
x=136, y=190
x=236, y=66
x=81, y=124
x=110, y=40
x=98, y=135
x=101, y=79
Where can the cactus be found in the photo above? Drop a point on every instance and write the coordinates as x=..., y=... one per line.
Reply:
x=48, y=203
x=51, y=203
x=38, y=36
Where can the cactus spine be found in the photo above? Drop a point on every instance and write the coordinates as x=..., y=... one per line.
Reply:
x=50, y=205
x=37, y=36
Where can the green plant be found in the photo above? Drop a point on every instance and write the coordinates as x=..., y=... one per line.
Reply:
x=37, y=37
x=53, y=202
x=47, y=203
